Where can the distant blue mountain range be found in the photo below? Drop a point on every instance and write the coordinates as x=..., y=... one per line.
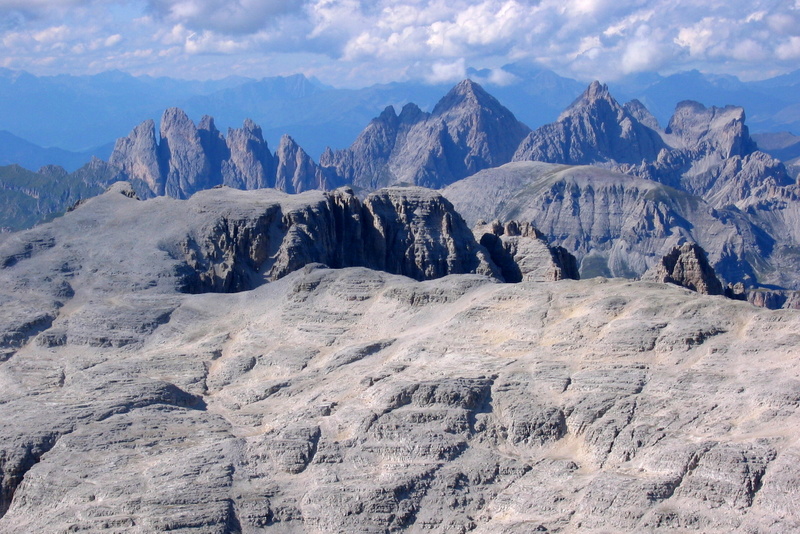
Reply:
x=81, y=116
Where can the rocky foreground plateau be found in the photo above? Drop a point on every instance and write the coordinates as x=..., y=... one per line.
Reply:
x=138, y=395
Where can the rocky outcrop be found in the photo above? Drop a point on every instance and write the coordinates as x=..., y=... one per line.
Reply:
x=296, y=171
x=521, y=253
x=365, y=162
x=409, y=231
x=137, y=157
x=686, y=266
x=713, y=156
x=225, y=240
x=707, y=152
x=190, y=158
x=705, y=130
x=773, y=299
x=188, y=167
x=417, y=233
x=251, y=165
x=467, y=131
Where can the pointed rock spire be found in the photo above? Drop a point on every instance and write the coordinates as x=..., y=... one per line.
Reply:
x=468, y=130
x=137, y=157
x=295, y=170
x=250, y=163
x=188, y=166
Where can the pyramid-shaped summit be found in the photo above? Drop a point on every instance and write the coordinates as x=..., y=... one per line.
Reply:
x=595, y=128
x=468, y=94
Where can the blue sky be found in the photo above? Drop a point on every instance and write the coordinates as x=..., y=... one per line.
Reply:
x=356, y=43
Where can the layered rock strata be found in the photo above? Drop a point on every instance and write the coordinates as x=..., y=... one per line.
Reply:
x=225, y=240
x=704, y=151
x=620, y=225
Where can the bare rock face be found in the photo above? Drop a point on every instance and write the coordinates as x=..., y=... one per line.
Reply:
x=417, y=233
x=187, y=166
x=467, y=131
x=295, y=170
x=137, y=157
x=365, y=162
x=716, y=158
x=620, y=225
x=225, y=240
x=707, y=152
x=639, y=112
x=614, y=224
x=686, y=266
x=191, y=158
x=522, y=254
x=251, y=164
x=707, y=130
x=594, y=129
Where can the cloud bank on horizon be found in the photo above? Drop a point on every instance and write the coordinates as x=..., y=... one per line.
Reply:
x=359, y=42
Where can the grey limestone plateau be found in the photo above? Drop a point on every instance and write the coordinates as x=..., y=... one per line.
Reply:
x=252, y=361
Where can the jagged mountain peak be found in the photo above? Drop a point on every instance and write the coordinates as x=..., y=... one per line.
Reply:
x=174, y=115
x=287, y=143
x=594, y=129
x=597, y=90
x=590, y=99
x=388, y=114
x=467, y=93
x=642, y=114
x=207, y=123
x=411, y=113
x=468, y=130
x=686, y=266
x=248, y=127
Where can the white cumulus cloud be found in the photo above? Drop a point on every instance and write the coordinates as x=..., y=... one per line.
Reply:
x=358, y=42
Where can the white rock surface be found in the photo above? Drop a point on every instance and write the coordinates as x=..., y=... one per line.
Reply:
x=358, y=401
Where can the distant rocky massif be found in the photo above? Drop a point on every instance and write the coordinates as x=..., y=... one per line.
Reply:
x=255, y=361
x=605, y=182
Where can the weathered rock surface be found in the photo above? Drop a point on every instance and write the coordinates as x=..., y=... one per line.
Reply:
x=296, y=171
x=228, y=240
x=615, y=225
x=686, y=266
x=188, y=158
x=467, y=131
x=707, y=152
x=521, y=254
x=251, y=165
x=137, y=157
x=619, y=225
x=187, y=161
x=358, y=401
x=594, y=129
